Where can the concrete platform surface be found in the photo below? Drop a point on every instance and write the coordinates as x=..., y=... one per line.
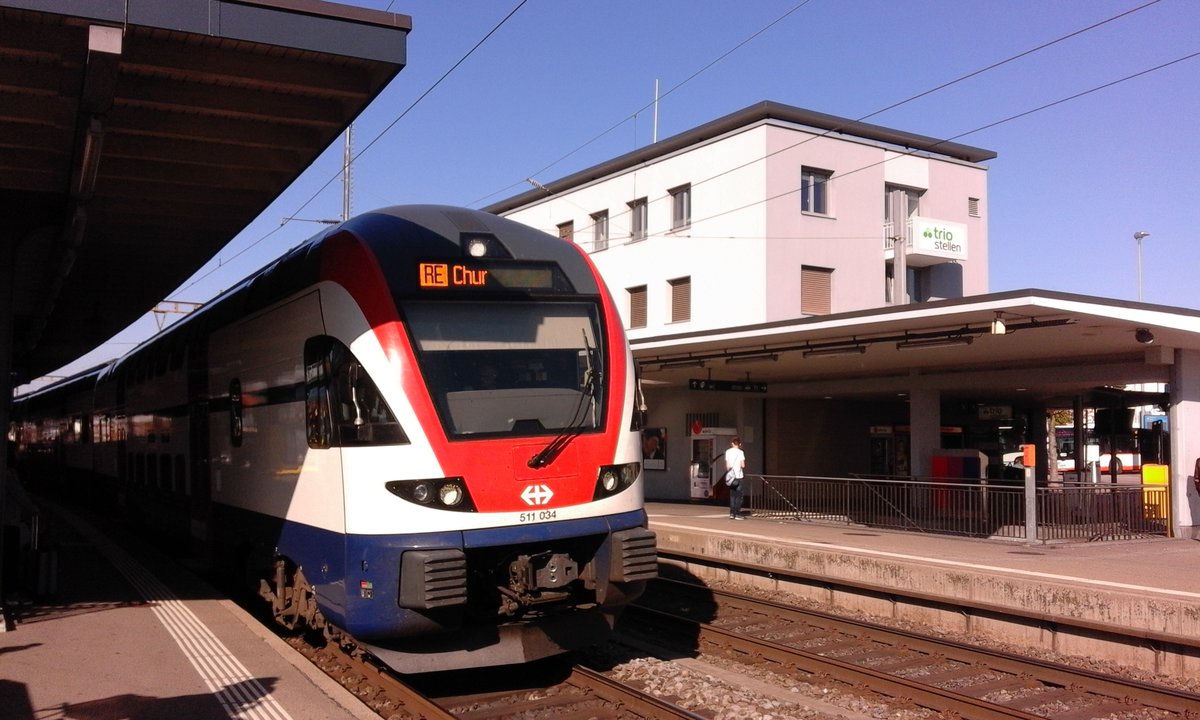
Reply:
x=1147, y=586
x=126, y=637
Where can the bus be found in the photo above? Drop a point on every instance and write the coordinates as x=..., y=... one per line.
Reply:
x=1099, y=449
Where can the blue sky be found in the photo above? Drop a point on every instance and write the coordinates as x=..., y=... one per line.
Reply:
x=562, y=85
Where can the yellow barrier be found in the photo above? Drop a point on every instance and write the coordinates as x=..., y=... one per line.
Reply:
x=1156, y=501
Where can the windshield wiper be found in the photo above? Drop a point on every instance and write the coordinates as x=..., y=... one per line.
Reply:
x=590, y=389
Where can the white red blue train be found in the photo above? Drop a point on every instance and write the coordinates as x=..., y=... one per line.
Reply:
x=420, y=428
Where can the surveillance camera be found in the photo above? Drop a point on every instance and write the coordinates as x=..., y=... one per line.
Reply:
x=1143, y=335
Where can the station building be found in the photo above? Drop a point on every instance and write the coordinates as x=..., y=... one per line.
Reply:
x=769, y=291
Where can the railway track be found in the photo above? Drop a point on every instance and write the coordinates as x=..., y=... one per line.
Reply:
x=377, y=687
x=583, y=693
x=1169, y=653
x=937, y=674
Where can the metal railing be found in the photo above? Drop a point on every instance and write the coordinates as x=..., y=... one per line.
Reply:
x=970, y=508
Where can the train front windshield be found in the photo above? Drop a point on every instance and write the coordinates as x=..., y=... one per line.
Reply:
x=511, y=368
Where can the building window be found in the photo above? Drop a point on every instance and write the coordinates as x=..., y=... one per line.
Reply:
x=814, y=190
x=914, y=201
x=816, y=285
x=681, y=207
x=600, y=230
x=637, y=220
x=637, y=307
x=973, y=207
x=681, y=299
x=566, y=231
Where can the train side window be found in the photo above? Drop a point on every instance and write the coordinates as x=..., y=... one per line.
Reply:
x=235, y=412
x=343, y=405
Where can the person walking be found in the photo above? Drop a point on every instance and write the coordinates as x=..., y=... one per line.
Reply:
x=735, y=464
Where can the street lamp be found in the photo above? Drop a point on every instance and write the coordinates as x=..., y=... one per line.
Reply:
x=1138, y=236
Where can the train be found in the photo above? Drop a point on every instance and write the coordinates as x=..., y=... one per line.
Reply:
x=419, y=430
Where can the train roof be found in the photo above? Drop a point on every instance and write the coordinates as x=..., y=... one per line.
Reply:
x=84, y=379
x=429, y=231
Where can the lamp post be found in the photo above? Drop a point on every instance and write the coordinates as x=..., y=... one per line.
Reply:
x=1138, y=236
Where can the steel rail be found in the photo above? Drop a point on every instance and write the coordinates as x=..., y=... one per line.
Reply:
x=370, y=682
x=583, y=693
x=898, y=688
x=641, y=702
x=1078, y=680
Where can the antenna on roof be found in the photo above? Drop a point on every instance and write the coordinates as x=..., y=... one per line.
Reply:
x=655, y=110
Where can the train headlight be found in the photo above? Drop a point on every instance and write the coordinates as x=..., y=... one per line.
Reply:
x=435, y=493
x=477, y=247
x=612, y=479
x=450, y=494
x=422, y=493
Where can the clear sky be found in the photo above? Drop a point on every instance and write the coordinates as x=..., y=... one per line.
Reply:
x=1097, y=135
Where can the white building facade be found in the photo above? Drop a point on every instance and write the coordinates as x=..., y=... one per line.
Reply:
x=770, y=214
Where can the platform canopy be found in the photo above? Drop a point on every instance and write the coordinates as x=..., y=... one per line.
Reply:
x=138, y=137
x=1030, y=346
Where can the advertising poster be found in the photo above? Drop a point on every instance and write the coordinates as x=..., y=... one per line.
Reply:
x=654, y=448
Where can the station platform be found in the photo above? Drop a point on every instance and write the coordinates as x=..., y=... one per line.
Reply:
x=1149, y=588
x=128, y=634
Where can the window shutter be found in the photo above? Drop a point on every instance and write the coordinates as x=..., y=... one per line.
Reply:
x=637, y=307
x=681, y=299
x=815, y=290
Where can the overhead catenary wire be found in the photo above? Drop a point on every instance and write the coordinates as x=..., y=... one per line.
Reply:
x=893, y=106
x=981, y=128
x=912, y=98
x=925, y=93
x=658, y=98
x=221, y=263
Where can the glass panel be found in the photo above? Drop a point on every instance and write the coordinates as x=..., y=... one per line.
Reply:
x=343, y=405
x=235, y=412
x=511, y=368
x=813, y=191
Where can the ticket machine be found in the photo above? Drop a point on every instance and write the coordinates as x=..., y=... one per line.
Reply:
x=708, y=460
